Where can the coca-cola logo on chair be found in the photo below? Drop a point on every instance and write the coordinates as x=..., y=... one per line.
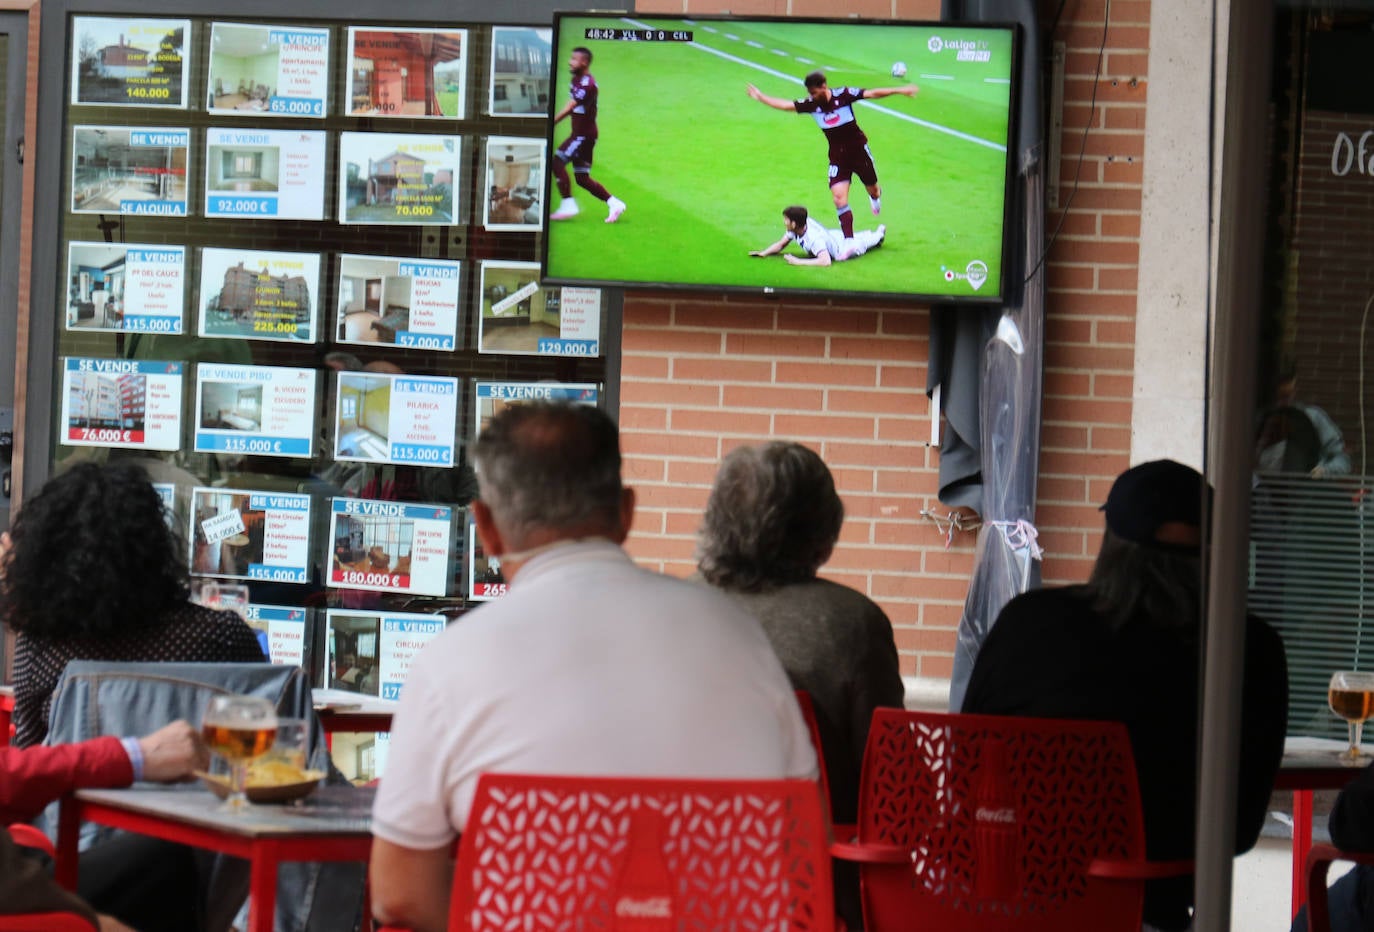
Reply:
x=651, y=907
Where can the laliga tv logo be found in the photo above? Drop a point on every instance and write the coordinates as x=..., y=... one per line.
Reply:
x=935, y=44
x=975, y=273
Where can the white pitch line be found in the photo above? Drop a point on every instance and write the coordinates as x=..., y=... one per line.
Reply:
x=779, y=52
x=937, y=77
x=805, y=61
x=997, y=80
x=727, y=35
x=967, y=137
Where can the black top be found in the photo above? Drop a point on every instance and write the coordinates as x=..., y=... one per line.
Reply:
x=1051, y=656
x=191, y=634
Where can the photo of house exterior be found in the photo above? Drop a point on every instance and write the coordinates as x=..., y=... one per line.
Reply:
x=411, y=73
x=129, y=62
x=520, y=68
x=398, y=178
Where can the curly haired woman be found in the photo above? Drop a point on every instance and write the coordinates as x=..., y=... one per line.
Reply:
x=91, y=571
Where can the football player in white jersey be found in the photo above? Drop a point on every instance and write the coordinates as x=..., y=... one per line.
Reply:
x=822, y=246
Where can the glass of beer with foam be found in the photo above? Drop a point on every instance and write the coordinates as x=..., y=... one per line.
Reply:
x=239, y=728
x=1351, y=697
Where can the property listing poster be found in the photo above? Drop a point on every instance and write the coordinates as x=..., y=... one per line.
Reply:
x=490, y=398
x=402, y=641
x=398, y=178
x=241, y=534
x=390, y=546
x=262, y=410
x=402, y=419
x=515, y=184
x=521, y=62
x=130, y=62
x=126, y=403
x=258, y=295
x=521, y=316
x=277, y=174
x=485, y=579
x=269, y=70
x=125, y=286
x=411, y=303
x=133, y=170
x=281, y=631
x=370, y=653
x=412, y=73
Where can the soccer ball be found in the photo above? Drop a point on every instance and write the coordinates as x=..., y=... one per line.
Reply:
x=899, y=69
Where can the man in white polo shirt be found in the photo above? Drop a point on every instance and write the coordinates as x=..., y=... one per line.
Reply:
x=590, y=665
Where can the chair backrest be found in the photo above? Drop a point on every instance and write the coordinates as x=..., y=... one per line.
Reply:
x=808, y=711
x=995, y=821
x=97, y=697
x=643, y=854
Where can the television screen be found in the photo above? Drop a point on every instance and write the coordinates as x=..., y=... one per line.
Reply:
x=780, y=155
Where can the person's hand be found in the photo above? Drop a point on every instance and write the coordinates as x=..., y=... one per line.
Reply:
x=172, y=752
x=756, y=253
x=754, y=91
x=909, y=90
x=792, y=260
x=111, y=924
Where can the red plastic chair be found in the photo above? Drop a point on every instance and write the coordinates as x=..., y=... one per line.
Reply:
x=808, y=711
x=1319, y=861
x=31, y=837
x=973, y=822
x=563, y=852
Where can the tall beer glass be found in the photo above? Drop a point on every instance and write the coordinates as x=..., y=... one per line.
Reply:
x=239, y=728
x=1351, y=697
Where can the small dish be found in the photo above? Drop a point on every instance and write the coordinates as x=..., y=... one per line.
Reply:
x=276, y=793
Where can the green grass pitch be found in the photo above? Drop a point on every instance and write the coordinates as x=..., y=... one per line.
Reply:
x=706, y=170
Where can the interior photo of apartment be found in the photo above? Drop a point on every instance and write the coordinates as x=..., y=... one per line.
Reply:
x=95, y=286
x=364, y=416
x=515, y=182
x=353, y=659
x=231, y=406
x=232, y=555
x=243, y=168
x=107, y=170
x=374, y=300
x=243, y=67
x=373, y=544
x=517, y=311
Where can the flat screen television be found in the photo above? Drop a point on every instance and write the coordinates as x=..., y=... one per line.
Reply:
x=699, y=137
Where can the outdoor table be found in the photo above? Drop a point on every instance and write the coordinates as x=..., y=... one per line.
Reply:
x=332, y=824
x=1309, y=764
x=340, y=710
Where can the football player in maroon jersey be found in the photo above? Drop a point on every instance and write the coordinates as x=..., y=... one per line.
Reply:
x=833, y=111
x=583, y=96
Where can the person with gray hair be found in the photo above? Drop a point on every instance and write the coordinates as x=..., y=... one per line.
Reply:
x=588, y=665
x=771, y=522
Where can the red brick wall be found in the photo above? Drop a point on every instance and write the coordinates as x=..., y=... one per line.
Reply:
x=702, y=375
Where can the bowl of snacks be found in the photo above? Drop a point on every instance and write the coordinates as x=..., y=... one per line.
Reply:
x=280, y=775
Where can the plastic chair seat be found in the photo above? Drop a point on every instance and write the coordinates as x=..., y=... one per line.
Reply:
x=568, y=852
x=973, y=822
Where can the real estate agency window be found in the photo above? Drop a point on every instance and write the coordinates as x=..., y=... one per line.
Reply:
x=288, y=287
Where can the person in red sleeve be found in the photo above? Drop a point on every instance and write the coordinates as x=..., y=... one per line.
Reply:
x=31, y=778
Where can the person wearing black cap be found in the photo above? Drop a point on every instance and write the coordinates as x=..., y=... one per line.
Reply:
x=1126, y=646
